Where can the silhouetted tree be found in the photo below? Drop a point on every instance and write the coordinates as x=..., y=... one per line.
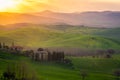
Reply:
x=40, y=49
x=0, y=45
x=49, y=56
x=33, y=55
x=58, y=56
x=54, y=56
x=4, y=45
x=62, y=55
x=42, y=56
x=37, y=57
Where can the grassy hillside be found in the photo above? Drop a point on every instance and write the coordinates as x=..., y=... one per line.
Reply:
x=97, y=68
x=62, y=36
x=110, y=33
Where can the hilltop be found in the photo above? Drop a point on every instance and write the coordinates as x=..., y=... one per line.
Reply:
x=109, y=19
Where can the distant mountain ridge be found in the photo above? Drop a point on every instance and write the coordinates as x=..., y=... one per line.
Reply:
x=109, y=19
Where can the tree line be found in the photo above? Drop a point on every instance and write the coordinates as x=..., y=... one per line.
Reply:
x=40, y=54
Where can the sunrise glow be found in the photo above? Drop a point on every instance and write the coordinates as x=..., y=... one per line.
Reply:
x=58, y=5
x=7, y=5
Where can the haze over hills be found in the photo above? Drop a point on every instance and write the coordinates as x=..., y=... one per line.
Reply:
x=107, y=19
x=62, y=36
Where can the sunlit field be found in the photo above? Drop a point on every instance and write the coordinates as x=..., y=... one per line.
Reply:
x=59, y=40
x=81, y=45
x=97, y=68
x=66, y=36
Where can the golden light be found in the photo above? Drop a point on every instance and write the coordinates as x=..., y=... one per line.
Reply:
x=9, y=4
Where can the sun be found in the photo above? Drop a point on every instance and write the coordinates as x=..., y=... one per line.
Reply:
x=9, y=4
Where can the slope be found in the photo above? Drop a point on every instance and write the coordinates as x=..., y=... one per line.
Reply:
x=56, y=36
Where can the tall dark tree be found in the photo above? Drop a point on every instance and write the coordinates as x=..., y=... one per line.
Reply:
x=42, y=55
x=54, y=56
x=49, y=56
x=0, y=45
x=62, y=55
x=3, y=45
x=37, y=57
x=33, y=56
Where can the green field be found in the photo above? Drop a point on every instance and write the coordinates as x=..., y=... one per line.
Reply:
x=97, y=68
x=65, y=37
x=62, y=36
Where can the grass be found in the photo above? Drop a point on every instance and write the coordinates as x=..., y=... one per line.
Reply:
x=70, y=36
x=57, y=36
x=110, y=33
x=97, y=68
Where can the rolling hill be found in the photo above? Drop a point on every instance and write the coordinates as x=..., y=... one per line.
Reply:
x=65, y=36
x=97, y=68
x=107, y=19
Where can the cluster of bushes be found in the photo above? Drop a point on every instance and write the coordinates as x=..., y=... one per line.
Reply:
x=78, y=52
x=68, y=62
x=11, y=49
x=105, y=53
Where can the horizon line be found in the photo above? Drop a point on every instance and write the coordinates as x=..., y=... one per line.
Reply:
x=60, y=11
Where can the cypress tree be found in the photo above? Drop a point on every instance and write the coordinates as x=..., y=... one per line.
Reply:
x=0, y=45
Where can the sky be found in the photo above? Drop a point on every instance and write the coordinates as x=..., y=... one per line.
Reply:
x=59, y=5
